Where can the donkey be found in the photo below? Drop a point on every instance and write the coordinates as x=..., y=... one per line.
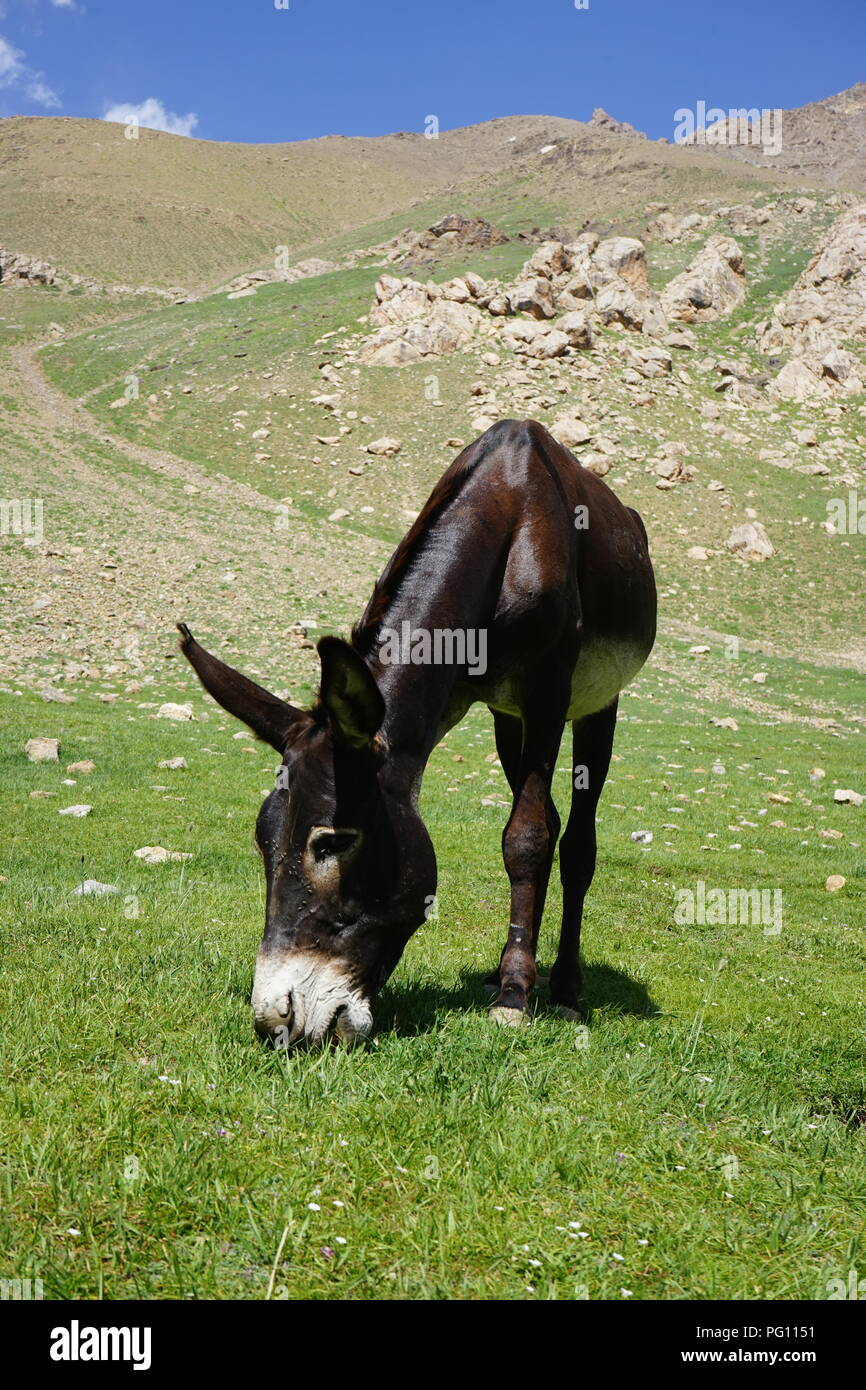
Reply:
x=538, y=562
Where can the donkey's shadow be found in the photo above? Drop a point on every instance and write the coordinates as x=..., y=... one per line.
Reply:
x=418, y=1005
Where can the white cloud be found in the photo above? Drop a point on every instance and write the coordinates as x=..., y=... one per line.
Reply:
x=153, y=115
x=16, y=73
x=10, y=62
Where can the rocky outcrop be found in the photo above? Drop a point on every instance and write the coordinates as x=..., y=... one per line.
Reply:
x=25, y=270
x=451, y=233
x=602, y=121
x=579, y=284
x=420, y=321
x=825, y=307
x=711, y=287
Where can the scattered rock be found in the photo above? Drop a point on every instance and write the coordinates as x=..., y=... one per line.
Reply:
x=53, y=696
x=179, y=713
x=750, y=542
x=83, y=767
x=79, y=812
x=174, y=764
x=385, y=447
x=846, y=797
x=92, y=888
x=43, y=750
x=570, y=432
x=155, y=854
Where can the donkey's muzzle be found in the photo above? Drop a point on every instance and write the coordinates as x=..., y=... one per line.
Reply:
x=302, y=997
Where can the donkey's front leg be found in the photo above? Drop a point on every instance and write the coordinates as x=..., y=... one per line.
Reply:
x=528, y=843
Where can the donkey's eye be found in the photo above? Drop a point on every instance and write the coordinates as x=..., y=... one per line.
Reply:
x=326, y=846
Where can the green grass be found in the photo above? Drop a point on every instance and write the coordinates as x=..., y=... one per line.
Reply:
x=461, y=1153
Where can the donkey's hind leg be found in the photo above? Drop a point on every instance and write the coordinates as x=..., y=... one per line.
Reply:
x=592, y=743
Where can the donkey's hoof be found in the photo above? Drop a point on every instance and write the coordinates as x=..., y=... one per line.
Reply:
x=572, y=1015
x=509, y=1018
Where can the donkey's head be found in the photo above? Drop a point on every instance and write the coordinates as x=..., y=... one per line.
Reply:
x=349, y=865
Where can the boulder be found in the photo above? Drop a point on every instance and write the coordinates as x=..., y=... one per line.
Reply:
x=618, y=303
x=398, y=301
x=550, y=259
x=571, y=432
x=577, y=328
x=532, y=296
x=43, y=750
x=534, y=339
x=624, y=257
x=750, y=542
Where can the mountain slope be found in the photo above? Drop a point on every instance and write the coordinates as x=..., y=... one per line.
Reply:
x=823, y=142
x=165, y=210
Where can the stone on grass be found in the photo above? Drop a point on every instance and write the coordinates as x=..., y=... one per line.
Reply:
x=43, y=750
x=156, y=854
x=385, y=448
x=179, y=713
x=92, y=888
x=750, y=542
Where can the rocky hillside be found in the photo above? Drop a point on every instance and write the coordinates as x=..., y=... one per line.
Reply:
x=163, y=210
x=823, y=143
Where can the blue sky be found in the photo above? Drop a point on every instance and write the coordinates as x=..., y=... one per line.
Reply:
x=248, y=70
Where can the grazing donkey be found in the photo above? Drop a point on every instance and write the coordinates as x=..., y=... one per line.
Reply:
x=524, y=583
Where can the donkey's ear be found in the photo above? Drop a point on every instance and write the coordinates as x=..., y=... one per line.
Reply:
x=350, y=695
x=272, y=719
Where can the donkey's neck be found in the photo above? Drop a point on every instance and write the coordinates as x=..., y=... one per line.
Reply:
x=434, y=633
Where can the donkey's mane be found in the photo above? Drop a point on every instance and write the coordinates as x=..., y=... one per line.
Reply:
x=412, y=544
